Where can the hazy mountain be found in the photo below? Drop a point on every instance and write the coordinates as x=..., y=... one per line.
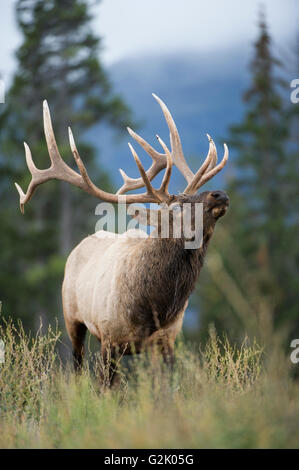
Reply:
x=202, y=92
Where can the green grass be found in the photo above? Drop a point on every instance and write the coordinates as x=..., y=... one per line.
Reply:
x=220, y=397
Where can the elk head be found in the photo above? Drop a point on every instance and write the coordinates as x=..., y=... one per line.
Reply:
x=215, y=203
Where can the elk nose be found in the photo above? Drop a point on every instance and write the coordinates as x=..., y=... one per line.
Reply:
x=220, y=196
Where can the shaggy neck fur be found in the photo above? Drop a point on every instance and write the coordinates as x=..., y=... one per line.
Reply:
x=165, y=277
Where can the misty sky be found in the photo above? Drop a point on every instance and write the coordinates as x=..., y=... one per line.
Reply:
x=134, y=27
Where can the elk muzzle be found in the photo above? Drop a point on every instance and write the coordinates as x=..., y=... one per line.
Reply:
x=218, y=202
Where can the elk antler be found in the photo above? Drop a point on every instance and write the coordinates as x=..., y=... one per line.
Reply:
x=204, y=174
x=61, y=171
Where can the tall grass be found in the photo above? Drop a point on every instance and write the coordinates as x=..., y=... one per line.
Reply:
x=218, y=397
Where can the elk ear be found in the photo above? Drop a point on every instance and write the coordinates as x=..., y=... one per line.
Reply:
x=145, y=216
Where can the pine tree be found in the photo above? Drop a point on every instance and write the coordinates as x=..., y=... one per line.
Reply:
x=254, y=266
x=58, y=61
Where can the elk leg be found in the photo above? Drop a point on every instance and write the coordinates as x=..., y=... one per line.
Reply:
x=110, y=357
x=77, y=333
x=167, y=352
x=162, y=347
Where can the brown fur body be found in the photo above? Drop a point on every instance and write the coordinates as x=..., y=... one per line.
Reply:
x=132, y=292
x=128, y=292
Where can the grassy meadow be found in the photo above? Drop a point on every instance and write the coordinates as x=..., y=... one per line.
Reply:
x=218, y=397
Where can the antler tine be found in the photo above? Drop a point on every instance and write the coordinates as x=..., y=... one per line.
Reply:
x=209, y=162
x=160, y=194
x=57, y=170
x=54, y=154
x=175, y=141
x=167, y=175
x=159, y=159
x=150, y=189
x=33, y=183
x=150, y=196
x=208, y=175
x=146, y=146
x=82, y=169
x=159, y=163
x=215, y=157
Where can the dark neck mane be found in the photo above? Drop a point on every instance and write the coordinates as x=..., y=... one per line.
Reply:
x=166, y=280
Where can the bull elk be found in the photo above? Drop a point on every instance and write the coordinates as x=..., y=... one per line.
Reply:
x=131, y=292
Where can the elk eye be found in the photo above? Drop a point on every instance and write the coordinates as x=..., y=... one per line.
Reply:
x=175, y=207
x=216, y=194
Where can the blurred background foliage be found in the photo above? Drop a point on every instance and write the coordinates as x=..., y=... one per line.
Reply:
x=250, y=280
